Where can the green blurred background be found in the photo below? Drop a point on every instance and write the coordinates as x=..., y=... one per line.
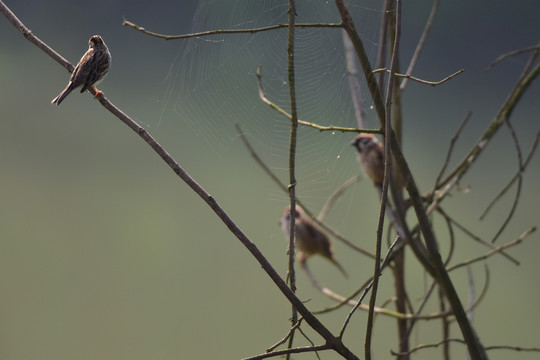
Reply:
x=105, y=254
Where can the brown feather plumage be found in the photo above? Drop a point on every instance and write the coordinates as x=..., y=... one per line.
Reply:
x=310, y=239
x=90, y=70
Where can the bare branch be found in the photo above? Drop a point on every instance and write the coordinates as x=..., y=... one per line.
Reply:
x=475, y=237
x=371, y=308
x=289, y=333
x=512, y=53
x=292, y=159
x=427, y=346
x=451, y=147
x=515, y=348
x=495, y=347
x=421, y=42
x=252, y=31
x=290, y=351
x=506, y=111
x=258, y=159
x=432, y=83
x=514, y=178
x=352, y=79
x=264, y=99
x=516, y=241
x=332, y=198
x=348, y=26
x=519, y=183
x=386, y=180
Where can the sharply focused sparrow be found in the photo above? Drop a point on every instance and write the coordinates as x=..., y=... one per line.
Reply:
x=90, y=70
x=370, y=157
x=309, y=237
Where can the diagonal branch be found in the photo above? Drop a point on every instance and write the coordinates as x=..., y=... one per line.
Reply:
x=421, y=42
x=504, y=113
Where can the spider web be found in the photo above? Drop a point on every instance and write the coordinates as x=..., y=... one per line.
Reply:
x=212, y=86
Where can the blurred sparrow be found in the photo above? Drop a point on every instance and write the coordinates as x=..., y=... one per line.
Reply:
x=309, y=237
x=370, y=157
x=90, y=70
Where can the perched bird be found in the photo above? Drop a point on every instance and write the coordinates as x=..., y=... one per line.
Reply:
x=370, y=157
x=309, y=237
x=90, y=70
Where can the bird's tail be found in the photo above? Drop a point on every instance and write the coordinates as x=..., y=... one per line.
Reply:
x=335, y=262
x=57, y=100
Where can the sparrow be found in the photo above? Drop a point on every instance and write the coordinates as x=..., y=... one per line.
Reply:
x=309, y=237
x=90, y=70
x=370, y=157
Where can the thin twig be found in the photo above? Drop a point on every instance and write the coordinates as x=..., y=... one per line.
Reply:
x=383, y=34
x=226, y=31
x=367, y=288
x=511, y=347
x=484, y=291
x=386, y=180
x=419, y=310
x=445, y=326
x=514, y=178
x=506, y=111
x=519, y=182
x=292, y=159
x=451, y=147
x=444, y=314
x=349, y=27
x=258, y=159
x=421, y=42
x=514, y=242
x=309, y=340
x=432, y=83
x=352, y=79
x=512, y=53
x=264, y=99
x=472, y=293
x=335, y=195
x=452, y=241
x=297, y=350
x=475, y=237
x=495, y=347
x=379, y=310
x=286, y=337
x=427, y=346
